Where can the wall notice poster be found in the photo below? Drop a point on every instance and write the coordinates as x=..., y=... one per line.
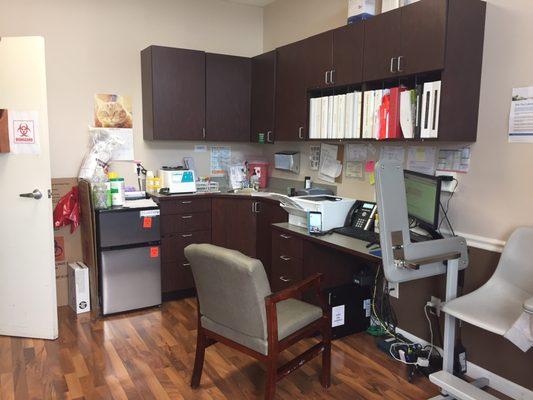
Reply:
x=220, y=160
x=112, y=111
x=24, y=132
x=521, y=116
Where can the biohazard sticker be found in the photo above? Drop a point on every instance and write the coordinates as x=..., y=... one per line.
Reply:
x=24, y=132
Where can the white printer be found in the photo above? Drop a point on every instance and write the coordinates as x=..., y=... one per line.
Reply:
x=177, y=180
x=334, y=209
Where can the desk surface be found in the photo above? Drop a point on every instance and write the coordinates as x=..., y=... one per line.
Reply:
x=335, y=241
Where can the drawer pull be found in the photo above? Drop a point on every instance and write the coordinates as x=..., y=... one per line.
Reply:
x=186, y=264
x=186, y=202
x=188, y=235
x=284, y=236
x=283, y=279
x=186, y=217
x=285, y=258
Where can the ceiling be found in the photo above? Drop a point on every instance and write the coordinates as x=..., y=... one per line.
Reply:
x=259, y=3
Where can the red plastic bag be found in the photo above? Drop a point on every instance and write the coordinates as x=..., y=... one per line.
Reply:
x=67, y=210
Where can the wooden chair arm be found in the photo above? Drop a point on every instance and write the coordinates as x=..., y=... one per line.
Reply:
x=313, y=282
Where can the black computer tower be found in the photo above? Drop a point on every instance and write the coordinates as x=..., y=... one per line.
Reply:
x=350, y=309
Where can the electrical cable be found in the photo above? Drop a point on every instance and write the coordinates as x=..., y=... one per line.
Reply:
x=445, y=210
x=430, y=330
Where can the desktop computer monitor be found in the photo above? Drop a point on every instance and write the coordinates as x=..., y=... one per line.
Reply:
x=423, y=198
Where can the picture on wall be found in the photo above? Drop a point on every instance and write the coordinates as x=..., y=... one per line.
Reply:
x=112, y=111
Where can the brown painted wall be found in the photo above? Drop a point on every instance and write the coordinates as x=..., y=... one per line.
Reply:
x=485, y=349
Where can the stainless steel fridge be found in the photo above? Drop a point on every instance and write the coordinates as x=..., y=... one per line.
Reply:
x=129, y=258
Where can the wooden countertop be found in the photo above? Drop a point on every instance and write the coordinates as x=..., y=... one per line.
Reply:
x=258, y=196
x=336, y=241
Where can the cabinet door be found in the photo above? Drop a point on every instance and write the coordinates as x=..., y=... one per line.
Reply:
x=234, y=225
x=291, y=93
x=382, y=45
x=228, y=91
x=318, y=60
x=263, y=96
x=269, y=213
x=423, y=36
x=348, y=54
x=173, y=91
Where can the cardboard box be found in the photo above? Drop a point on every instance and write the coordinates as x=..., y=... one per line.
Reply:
x=360, y=10
x=78, y=287
x=67, y=245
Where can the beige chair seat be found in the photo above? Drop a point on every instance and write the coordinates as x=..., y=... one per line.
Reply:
x=292, y=316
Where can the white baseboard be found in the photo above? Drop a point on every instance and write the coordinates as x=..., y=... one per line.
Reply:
x=497, y=382
x=480, y=242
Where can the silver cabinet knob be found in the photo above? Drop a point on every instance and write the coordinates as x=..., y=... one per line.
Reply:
x=36, y=195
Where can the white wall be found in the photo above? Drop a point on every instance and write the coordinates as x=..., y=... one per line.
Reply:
x=496, y=195
x=94, y=47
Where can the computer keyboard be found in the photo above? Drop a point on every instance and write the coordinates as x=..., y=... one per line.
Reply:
x=361, y=234
x=373, y=237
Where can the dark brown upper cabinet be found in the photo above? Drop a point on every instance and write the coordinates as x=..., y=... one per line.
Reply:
x=263, y=97
x=228, y=98
x=348, y=55
x=291, y=92
x=317, y=66
x=406, y=41
x=382, y=45
x=173, y=91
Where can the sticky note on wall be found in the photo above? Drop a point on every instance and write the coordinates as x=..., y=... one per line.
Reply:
x=369, y=166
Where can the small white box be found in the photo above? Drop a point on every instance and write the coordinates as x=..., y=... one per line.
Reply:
x=78, y=287
x=360, y=10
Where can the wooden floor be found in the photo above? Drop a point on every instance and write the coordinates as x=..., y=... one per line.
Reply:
x=149, y=355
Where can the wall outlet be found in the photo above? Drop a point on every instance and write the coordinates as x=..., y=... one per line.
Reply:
x=436, y=303
x=394, y=290
x=448, y=186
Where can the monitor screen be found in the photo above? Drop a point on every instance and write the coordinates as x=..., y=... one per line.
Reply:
x=423, y=197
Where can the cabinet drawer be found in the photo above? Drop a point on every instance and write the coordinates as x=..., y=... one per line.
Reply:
x=186, y=205
x=172, y=247
x=176, y=276
x=185, y=223
x=286, y=271
x=286, y=244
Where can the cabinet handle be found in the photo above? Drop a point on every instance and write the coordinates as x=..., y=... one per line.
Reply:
x=326, y=77
x=285, y=258
x=186, y=217
x=400, y=64
x=331, y=79
x=188, y=235
x=203, y=133
x=284, y=236
x=301, y=132
x=283, y=279
x=269, y=140
x=186, y=202
x=257, y=207
x=392, y=65
x=186, y=264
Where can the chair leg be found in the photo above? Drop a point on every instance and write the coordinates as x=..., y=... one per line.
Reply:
x=325, y=376
x=270, y=386
x=201, y=344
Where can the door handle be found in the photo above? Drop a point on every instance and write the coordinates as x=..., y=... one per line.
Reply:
x=301, y=132
x=35, y=195
x=392, y=65
x=400, y=64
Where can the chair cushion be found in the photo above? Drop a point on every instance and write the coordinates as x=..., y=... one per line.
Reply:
x=493, y=307
x=292, y=315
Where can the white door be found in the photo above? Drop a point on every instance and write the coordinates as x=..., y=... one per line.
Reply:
x=28, y=305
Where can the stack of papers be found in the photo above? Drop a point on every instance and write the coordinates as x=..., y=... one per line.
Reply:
x=336, y=117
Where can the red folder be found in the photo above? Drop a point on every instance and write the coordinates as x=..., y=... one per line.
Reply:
x=384, y=111
x=395, y=130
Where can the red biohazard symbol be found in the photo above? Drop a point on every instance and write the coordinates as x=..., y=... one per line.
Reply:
x=24, y=129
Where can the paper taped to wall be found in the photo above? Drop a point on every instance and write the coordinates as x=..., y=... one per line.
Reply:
x=521, y=116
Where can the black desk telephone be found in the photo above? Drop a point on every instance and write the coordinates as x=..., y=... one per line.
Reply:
x=361, y=215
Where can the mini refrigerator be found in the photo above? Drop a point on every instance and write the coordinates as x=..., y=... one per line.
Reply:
x=129, y=259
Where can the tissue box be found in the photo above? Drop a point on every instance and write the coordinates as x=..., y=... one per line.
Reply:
x=359, y=10
x=78, y=287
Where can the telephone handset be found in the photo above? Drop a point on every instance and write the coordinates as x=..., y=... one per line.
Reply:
x=361, y=215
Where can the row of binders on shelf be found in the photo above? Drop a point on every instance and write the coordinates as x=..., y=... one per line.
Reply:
x=395, y=113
